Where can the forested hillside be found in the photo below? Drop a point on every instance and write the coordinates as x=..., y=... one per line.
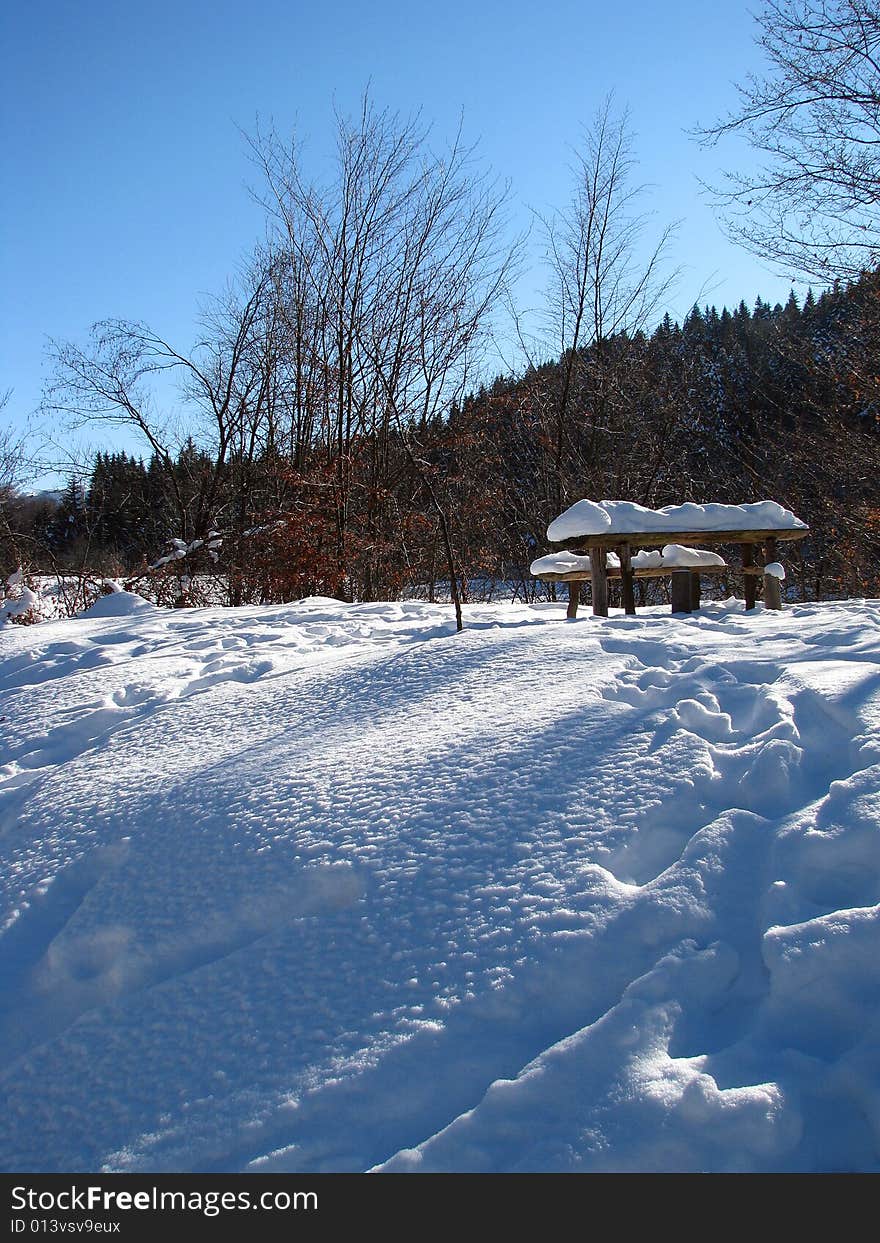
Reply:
x=775, y=402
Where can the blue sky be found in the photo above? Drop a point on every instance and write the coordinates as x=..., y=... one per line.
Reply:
x=125, y=173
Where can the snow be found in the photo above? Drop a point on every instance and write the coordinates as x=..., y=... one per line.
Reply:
x=118, y=603
x=646, y=559
x=22, y=603
x=672, y=556
x=775, y=569
x=329, y=887
x=44, y=597
x=678, y=555
x=560, y=563
x=626, y=517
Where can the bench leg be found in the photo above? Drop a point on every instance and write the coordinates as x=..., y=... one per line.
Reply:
x=772, y=592
x=695, y=590
x=574, y=597
x=681, y=591
x=772, y=585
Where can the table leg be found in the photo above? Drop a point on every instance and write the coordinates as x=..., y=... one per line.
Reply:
x=626, y=580
x=748, y=560
x=599, y=578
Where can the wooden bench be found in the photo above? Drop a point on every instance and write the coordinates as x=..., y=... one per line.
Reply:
x=685, y=580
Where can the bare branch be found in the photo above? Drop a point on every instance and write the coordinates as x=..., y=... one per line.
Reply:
x=811, y=207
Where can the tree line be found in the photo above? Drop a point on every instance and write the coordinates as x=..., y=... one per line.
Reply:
x=760, y=401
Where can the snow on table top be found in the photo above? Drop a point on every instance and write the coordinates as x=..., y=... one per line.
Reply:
x=606, y=893
x=672, y=556
x=626, y=517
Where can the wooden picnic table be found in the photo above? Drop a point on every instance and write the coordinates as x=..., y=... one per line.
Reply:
x=685, y=580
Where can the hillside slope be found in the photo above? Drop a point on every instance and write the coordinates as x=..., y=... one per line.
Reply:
x=330, y=887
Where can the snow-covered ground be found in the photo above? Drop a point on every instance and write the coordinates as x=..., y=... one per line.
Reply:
x=329, y=887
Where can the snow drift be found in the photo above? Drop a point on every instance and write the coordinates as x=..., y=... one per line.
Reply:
x=329, y=887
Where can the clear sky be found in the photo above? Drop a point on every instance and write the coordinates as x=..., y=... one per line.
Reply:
x=125, y=173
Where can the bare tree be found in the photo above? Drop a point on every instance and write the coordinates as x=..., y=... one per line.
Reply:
x=606, y=279
x=12, y=451
x=359, y=324
x=222, y=385
x=812, y=206
x=13, y=465
x=393, y=268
